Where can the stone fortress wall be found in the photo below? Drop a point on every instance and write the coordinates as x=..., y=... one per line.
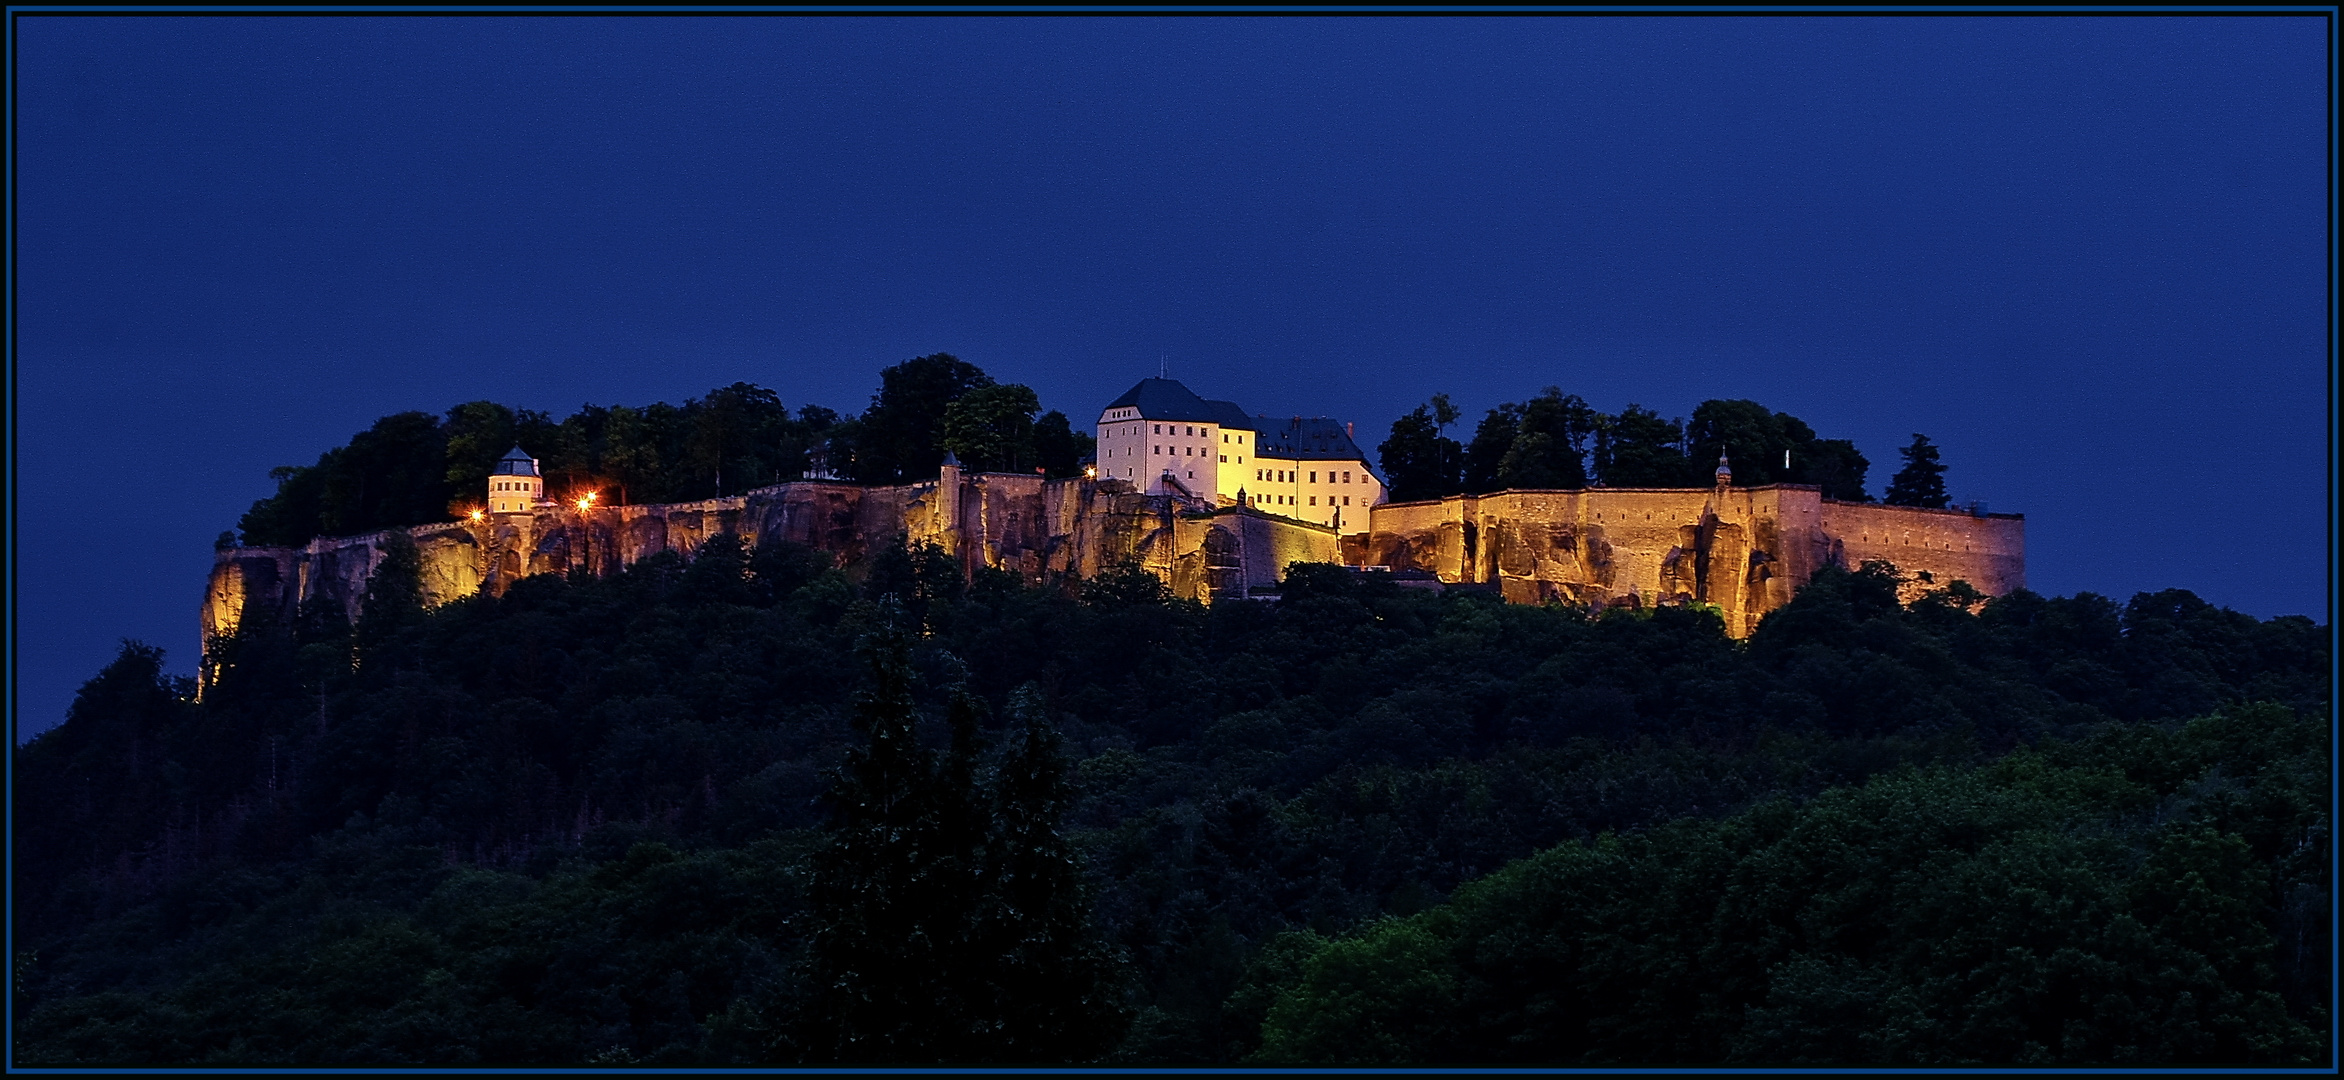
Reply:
x=1039, y=529
x=1744, y=550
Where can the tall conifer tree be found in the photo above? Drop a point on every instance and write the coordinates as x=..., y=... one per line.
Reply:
x=890, y=899
x=1922, y=480
x=1058, y=984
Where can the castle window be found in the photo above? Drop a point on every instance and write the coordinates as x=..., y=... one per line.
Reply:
x=1314, y=479
x=1314, y=500
x=1224, y=459
x=1346, y=500
x=1159, y=429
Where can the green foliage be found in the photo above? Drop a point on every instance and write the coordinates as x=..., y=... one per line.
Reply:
x=898, y=439
x=413, y=469
x=1057, y=984
x=1551, y=440
x=1058, y=448
x=895, y=892
x=584, y=822
x=2029, y=913
x=390, y=474
x=1759, y=441
x=1922, y=480
x=1639, y=449
x=951, y=924
x=1421, y=462
x=1540, y=443
x=991, y=428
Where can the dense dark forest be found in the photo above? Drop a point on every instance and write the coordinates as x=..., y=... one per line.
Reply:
x=757, y=808
x=1556, y=440
x=414, y=468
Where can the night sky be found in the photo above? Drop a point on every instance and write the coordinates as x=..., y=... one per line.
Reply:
x=2087, y=256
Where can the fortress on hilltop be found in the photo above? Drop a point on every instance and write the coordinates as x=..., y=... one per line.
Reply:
x=1215, y=502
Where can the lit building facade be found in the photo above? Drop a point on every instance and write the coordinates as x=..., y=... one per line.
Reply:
x=515, y=486
x=1160, y=437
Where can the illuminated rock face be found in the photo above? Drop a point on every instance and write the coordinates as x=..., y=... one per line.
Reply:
x=1039, y=529
x=1744, y=550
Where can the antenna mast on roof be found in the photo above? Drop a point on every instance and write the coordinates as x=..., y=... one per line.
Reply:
x=1163, y=367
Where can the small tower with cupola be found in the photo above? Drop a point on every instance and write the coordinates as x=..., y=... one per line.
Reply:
x=515, y=486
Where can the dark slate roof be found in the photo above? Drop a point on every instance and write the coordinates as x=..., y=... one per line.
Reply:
x=516, y=462
x=1165, y=399
x=1307, y=438
x=1230, y=416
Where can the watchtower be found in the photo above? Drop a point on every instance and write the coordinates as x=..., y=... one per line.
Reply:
x=515, y=486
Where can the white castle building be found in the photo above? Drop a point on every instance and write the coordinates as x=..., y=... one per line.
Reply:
x=1162, y=438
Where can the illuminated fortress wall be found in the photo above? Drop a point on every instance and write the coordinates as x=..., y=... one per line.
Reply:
x=1744, y=550
x=1039, y=529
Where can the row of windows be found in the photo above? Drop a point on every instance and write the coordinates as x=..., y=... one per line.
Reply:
x=1288, y=500
x=1191, y=429
x=511, y=485
x=1286, y=476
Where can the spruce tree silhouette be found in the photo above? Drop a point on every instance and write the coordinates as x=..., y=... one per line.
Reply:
x=891, y=895
x=1060, y=987
x=1922, y=481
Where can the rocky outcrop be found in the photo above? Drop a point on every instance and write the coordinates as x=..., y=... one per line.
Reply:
x=1743, y=550
x=1041, y=530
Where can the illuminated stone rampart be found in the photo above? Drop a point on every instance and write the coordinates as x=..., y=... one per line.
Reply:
x=1040, y=529
x=1744, y=550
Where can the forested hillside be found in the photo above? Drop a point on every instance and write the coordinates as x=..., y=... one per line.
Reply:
x=758, y=808
x=414, y=468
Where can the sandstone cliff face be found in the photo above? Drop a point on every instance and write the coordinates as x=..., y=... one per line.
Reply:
x=1745, y=550
x=1039, y=529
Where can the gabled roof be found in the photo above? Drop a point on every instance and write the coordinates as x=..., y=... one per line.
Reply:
x=1308, y=438
x=1164, y=399
x=1230, y=416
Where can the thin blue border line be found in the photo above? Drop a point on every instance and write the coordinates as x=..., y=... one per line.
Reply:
x=1507, y=1070
x=2330, y=550
x=8, y=854
x=1161, y=9
x=9, y=541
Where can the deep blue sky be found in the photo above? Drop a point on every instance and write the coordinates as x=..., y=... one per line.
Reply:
x=2086, y=255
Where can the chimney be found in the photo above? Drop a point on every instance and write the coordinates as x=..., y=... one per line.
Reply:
x=1348, y=433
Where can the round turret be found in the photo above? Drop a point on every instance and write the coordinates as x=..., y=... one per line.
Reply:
x=515, y=486
x=1725, y=472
